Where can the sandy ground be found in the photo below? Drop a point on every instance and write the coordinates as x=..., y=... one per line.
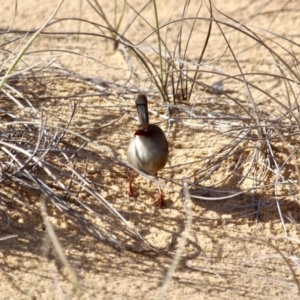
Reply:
x=231, y=252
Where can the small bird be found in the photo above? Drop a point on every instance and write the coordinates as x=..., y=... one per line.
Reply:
x=148, y=150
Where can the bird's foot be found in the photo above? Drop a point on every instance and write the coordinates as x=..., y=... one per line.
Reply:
x=160, y=201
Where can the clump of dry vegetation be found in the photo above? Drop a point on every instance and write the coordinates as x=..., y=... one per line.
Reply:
x=232, y=122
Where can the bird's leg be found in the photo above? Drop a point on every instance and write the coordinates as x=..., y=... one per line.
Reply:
x=160, y=200
x=130, y=192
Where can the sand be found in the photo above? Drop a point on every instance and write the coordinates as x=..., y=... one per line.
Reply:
x=239, y=229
